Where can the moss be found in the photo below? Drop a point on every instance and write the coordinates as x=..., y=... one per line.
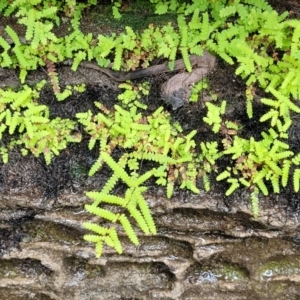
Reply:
x=215, y=271
x=283, y=266
x=229, y=272
x=40, y=231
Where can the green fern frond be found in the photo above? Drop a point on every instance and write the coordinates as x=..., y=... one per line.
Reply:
x=296, y=180
x=285, y=172
x=228, y=11
x=185, y=57
x=110, y=184
x=262, y=187
x=223, y=175
x=145, y=177
x=190, y=185
x=205, y=27
x=128, y=229
x=233, y=187
x=170, y=189
x=115, y=240
x=146, y=212
x=117, y=169
x=296, y=159
x=138, y=217
x=244, y=182
x=255, y=203
x=93, y=238
x=118, y=57
x=98, y=248
x=260, y=175
x=4, y=44
x=160, y=158
x=100, y=212
x=15, y=121
x=103, y=197
x=275, y=183
x=107, y=235
x=13, y=35
x=100, y=230
x=194, y=23
x=96, y=166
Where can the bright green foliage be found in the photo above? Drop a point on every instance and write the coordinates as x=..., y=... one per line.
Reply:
x=130, y=97
x=255, y=202
x=42, y=46
x=257, y=162
x=29, y=124
x=151, y=138
x=214, y=115
x=133, y=203
x=207, y=160
x=248, y=32
x=296, y=180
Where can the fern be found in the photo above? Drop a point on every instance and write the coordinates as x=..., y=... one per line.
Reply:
x=109, y=236
x=233, y=187
x=255, y=203
x=129, y=230
x=247, y=32
x=146, y=213
x=117, y=169
x=296, y=180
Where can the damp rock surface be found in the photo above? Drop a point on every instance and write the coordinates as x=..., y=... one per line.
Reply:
x=208, y=246
x=200, y=252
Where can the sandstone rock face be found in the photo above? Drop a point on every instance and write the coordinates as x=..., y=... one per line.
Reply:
x=203, y=250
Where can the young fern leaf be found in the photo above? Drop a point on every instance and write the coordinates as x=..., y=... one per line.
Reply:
x=100, y=212
x=255, y=203
x=107, y=235
x=118, y=57
x=103, y=197
x=170, y=189
x=204, y=35
x=285, y=172
x=128, y=229
x=117, y=169
x=145, y=177
x=233, y=187
x=100, y=230
x=13, y=35
x=262, y=187
x=110, y=184
x=146, y=213
x=223, y=175
x=115, y=240
x=96, y=166
x=244, y=182
x=296, y=160
x=296, y=180
x=186, y=60
x=275, y=183
x=4, y=44
x=138, y=217
x=98, y=248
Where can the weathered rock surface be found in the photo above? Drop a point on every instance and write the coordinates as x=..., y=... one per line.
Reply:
x=202, y=251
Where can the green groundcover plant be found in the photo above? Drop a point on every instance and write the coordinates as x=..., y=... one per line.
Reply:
x=263, y=44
